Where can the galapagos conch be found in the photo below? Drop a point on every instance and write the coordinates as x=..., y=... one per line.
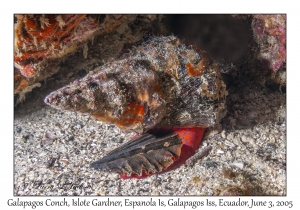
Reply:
x=162, y=89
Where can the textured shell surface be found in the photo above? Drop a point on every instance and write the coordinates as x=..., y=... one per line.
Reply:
x=160, y=82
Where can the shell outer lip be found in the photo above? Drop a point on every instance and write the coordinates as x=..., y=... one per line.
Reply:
x=157, y=151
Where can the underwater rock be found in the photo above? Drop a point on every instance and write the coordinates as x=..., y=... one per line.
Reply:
x=47, y=44
x=40, y=37
x=270, y=33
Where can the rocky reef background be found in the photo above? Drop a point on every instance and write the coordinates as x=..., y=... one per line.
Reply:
x=71, y=45
x=248, y=155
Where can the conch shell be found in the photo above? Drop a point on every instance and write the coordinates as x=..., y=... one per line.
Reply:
x=160, y=83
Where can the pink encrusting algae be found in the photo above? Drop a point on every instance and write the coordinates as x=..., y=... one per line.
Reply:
x=270, y=33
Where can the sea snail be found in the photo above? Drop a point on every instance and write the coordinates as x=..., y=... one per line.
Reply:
x=164, y=90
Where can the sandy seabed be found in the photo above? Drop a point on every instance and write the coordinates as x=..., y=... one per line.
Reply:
x=53, y=150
